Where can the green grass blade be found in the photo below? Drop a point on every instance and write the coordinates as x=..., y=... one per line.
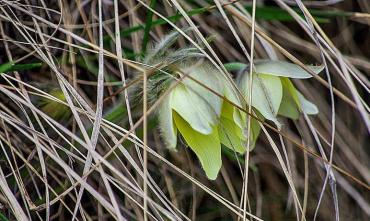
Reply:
x=6, y=67
x=278, y=14
x=148, y=25
x=3, y=218
x=25, y=67
x=11, y=66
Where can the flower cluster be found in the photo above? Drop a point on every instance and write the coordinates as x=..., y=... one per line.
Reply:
x=202, y=106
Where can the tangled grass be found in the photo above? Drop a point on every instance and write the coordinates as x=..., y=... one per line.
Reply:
x=79, y=137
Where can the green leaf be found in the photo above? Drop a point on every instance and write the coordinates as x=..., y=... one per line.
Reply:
x=165, y=120
x=307, y=106
x=284, y=69
x=206, y=147
x=267, y=94
x=193, y=109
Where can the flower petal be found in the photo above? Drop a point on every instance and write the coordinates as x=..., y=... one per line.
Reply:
x=165, y=120
x=288, y=108
x=285, y=69
x=307, y=106
x=290, y=102
x=233, y=113
x=255, y=132
x=230, y=135
x=267, y=93
x=206, y=147
x=193, y=109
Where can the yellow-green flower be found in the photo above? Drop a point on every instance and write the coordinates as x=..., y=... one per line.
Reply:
x=198, y=112
x=202, y=118
x=273, y=93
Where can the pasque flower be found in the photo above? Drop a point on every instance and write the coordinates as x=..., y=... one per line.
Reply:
x=203, y=119
x=194, y=107
x=273, y=93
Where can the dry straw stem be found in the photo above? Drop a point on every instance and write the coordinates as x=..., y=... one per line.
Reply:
x=113, y=171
